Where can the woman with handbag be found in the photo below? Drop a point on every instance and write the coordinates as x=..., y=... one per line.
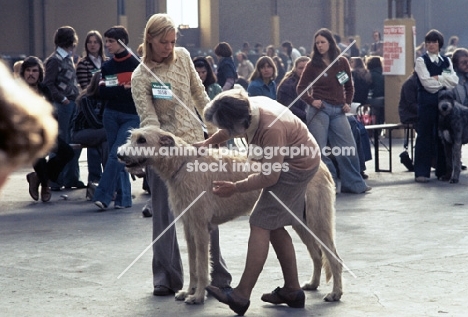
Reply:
x=88, y=130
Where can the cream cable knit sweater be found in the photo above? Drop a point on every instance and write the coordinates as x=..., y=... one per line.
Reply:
x=170, y=115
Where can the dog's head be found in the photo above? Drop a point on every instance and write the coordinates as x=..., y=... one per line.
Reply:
x=446, y=102
x=144, y=145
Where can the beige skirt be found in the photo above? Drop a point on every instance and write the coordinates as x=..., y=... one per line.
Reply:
x=269, y=213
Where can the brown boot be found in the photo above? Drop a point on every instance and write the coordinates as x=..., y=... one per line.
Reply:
x=295, y=299
x=34, y=182
x=46, y=193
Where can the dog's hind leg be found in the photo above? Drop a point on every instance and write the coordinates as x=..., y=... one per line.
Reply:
x=332, y=263
x=315, y=254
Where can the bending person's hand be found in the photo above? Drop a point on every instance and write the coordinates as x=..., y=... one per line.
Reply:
x=224, y=189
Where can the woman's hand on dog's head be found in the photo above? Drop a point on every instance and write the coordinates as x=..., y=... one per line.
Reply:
x=224, y=189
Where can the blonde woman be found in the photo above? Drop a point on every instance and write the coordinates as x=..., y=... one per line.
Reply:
x=174, y=67
x=287, y=89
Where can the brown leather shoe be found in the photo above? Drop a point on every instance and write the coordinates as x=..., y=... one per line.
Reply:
x=226, y=296
x=295, y=299
x=46, y=193
x=34, y=182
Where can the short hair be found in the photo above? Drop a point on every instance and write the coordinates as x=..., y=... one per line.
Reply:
x=457, y=54
x=32, y=61
x=223, y=49
x=287, y=45
x=99, y=39
x=262, y=61
x=201, y=62
x=270, y=48
x=117, y=33
x=229, y=109
x=28, y=129
x=244, y=56
x=373, y=62
x=435, y=36
x=159, y=24
x=65, y=37
x=378, y=32
x=17, y=68
x=453, y=39
x=358, y=62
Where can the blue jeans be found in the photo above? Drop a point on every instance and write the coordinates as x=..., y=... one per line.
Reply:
x=115, y=178
x=329, y=126
x=70, y=174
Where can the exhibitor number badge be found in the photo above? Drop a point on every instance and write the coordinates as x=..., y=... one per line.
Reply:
x=161, y=91
x=342, y=77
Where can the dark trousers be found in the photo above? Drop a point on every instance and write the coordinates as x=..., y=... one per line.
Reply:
x=50, y=170
x=428, y=148
x=97, y=150
x=167, y=264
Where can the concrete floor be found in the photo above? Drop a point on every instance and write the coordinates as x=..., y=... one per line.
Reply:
x=406, y=243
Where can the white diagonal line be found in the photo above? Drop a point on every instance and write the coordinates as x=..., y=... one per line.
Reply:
x=160, y=235
x=313, y=234
x=312, y=83
x=160, y=81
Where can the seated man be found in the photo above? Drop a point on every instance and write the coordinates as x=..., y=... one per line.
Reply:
x=27, y=127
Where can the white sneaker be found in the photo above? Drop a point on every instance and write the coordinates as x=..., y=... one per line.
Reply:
x=101, y=205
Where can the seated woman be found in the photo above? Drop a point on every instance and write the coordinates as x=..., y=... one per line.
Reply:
x=377, y=87
x=262, y=81
x=88, y=130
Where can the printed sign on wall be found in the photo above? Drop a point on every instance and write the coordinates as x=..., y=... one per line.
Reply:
x=394, y=50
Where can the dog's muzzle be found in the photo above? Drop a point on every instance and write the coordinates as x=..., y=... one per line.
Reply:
x=131, y=162
x=445, y=107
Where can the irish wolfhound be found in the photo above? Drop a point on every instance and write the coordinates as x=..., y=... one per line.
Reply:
x=185, y=184
x=453, y=130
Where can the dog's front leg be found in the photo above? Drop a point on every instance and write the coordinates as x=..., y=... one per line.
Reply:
x=202, y=245
x=456, y=160
x=191, y=249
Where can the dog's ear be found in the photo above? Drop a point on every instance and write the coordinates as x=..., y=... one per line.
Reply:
x=166, y=140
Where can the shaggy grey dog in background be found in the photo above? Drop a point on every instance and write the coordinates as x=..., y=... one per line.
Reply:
x=453, y=130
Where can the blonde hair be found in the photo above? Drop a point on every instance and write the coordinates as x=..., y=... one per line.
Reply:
x=159, y=24
x=27, y=127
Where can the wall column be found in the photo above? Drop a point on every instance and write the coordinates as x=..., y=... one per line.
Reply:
x=208, y=22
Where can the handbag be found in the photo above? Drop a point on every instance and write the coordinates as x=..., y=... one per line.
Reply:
x=404, y=156
x=365, y=116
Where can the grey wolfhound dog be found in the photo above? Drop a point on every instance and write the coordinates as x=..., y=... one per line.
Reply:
x=184, y=186
x=453, y=130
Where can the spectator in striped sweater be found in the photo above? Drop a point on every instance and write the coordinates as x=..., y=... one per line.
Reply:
x=85, y=69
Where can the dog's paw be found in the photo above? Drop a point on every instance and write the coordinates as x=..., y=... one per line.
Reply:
x=446, y=136
x=195, y=300
x=333, y=297
x=453, y=181
x=181, y=295
x=310, y=286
